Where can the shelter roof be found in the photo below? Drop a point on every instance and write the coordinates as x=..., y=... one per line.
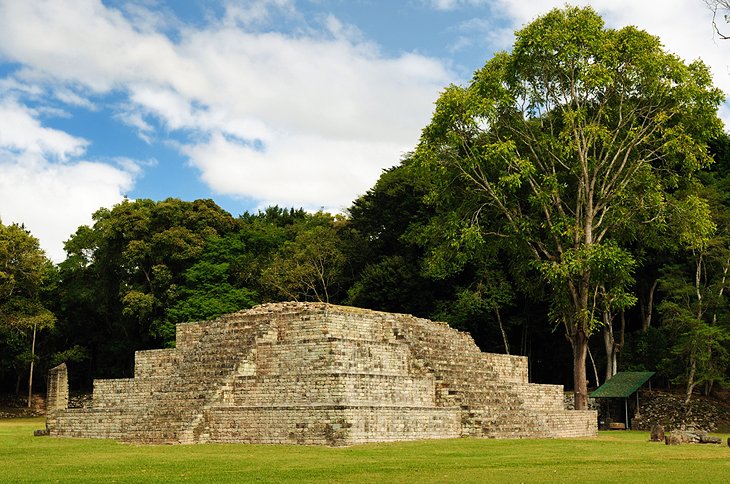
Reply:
x=623, y=384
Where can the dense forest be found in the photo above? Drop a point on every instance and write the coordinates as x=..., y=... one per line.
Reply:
x=571, y=204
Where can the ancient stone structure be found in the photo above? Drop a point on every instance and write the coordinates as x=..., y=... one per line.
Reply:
x=318, y=374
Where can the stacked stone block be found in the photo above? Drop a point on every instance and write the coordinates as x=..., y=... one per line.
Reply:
x=321, y=374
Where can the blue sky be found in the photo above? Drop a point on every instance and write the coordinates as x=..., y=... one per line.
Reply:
x=251, y=103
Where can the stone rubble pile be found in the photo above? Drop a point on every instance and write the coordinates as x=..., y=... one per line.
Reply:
x=569, y=402
x=15, y=406
x=20, y=413
x=670, y=411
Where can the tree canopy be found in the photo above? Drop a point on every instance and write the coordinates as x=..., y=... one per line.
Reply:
x=24, y=269
x=567, y=146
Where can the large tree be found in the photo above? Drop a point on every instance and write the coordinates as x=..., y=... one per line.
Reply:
x=126, y=272
x=24, y=269
x=310, y=267
x=565, y=146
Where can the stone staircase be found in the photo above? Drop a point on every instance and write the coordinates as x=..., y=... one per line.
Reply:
x=176, y=405
x=492, y=391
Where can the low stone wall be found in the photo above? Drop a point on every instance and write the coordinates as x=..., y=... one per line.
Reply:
x=94, y=423
x=319, y=374
x=329, y=425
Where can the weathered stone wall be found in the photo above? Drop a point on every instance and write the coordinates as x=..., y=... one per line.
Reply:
x=321, y=374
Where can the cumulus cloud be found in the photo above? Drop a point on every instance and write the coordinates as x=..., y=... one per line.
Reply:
x=286, y=172
x=255, y=12
x=21, y=132
x=53, y=199
x=41, y=187
x=320, y=98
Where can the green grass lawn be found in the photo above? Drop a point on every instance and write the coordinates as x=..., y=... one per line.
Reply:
x=612, y=457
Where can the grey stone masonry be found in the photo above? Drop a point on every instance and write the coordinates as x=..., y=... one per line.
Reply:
x=313, y=373
x=57, y=400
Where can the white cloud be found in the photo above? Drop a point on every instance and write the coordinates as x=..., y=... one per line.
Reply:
x=308, y=118
x=482, y=31
x=327, y=86
x=131, y=116
x=454, y=4
x=72, y=98
x=40, y=185
x=84, y=42
x=291, y=173
x=10, y=85
x=53, y=199
x=256, y=11
x=20, y=131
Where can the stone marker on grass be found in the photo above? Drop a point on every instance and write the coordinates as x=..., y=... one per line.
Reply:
x=657, y=433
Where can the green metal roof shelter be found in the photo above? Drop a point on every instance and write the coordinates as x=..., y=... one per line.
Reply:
x=622, y=385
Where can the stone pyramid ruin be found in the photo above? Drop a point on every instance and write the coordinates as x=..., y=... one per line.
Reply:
x=307, y=373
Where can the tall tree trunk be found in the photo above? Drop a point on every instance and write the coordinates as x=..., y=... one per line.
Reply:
x=698, y=285
x=691, y=379
x=501, y=329
x=32, y=361
x=648, y=308
x=609, y=343
x=722, y=289
x=708, y=387
x=579, y=343
x=578, y=337
x=595, y=368
x=622, y=335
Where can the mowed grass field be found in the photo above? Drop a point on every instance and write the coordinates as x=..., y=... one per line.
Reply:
x=612, y=457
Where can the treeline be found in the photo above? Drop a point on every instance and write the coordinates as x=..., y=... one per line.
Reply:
x=571, y=204
x=144, y=266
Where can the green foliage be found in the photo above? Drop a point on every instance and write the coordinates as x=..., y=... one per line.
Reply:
x=566, y=147
x=123, y=274
x=394, y=284
x=310, y=266
x=694, y=308
x=74, y=354
x=387, y=263
x=24, y=273
x=209, y=288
